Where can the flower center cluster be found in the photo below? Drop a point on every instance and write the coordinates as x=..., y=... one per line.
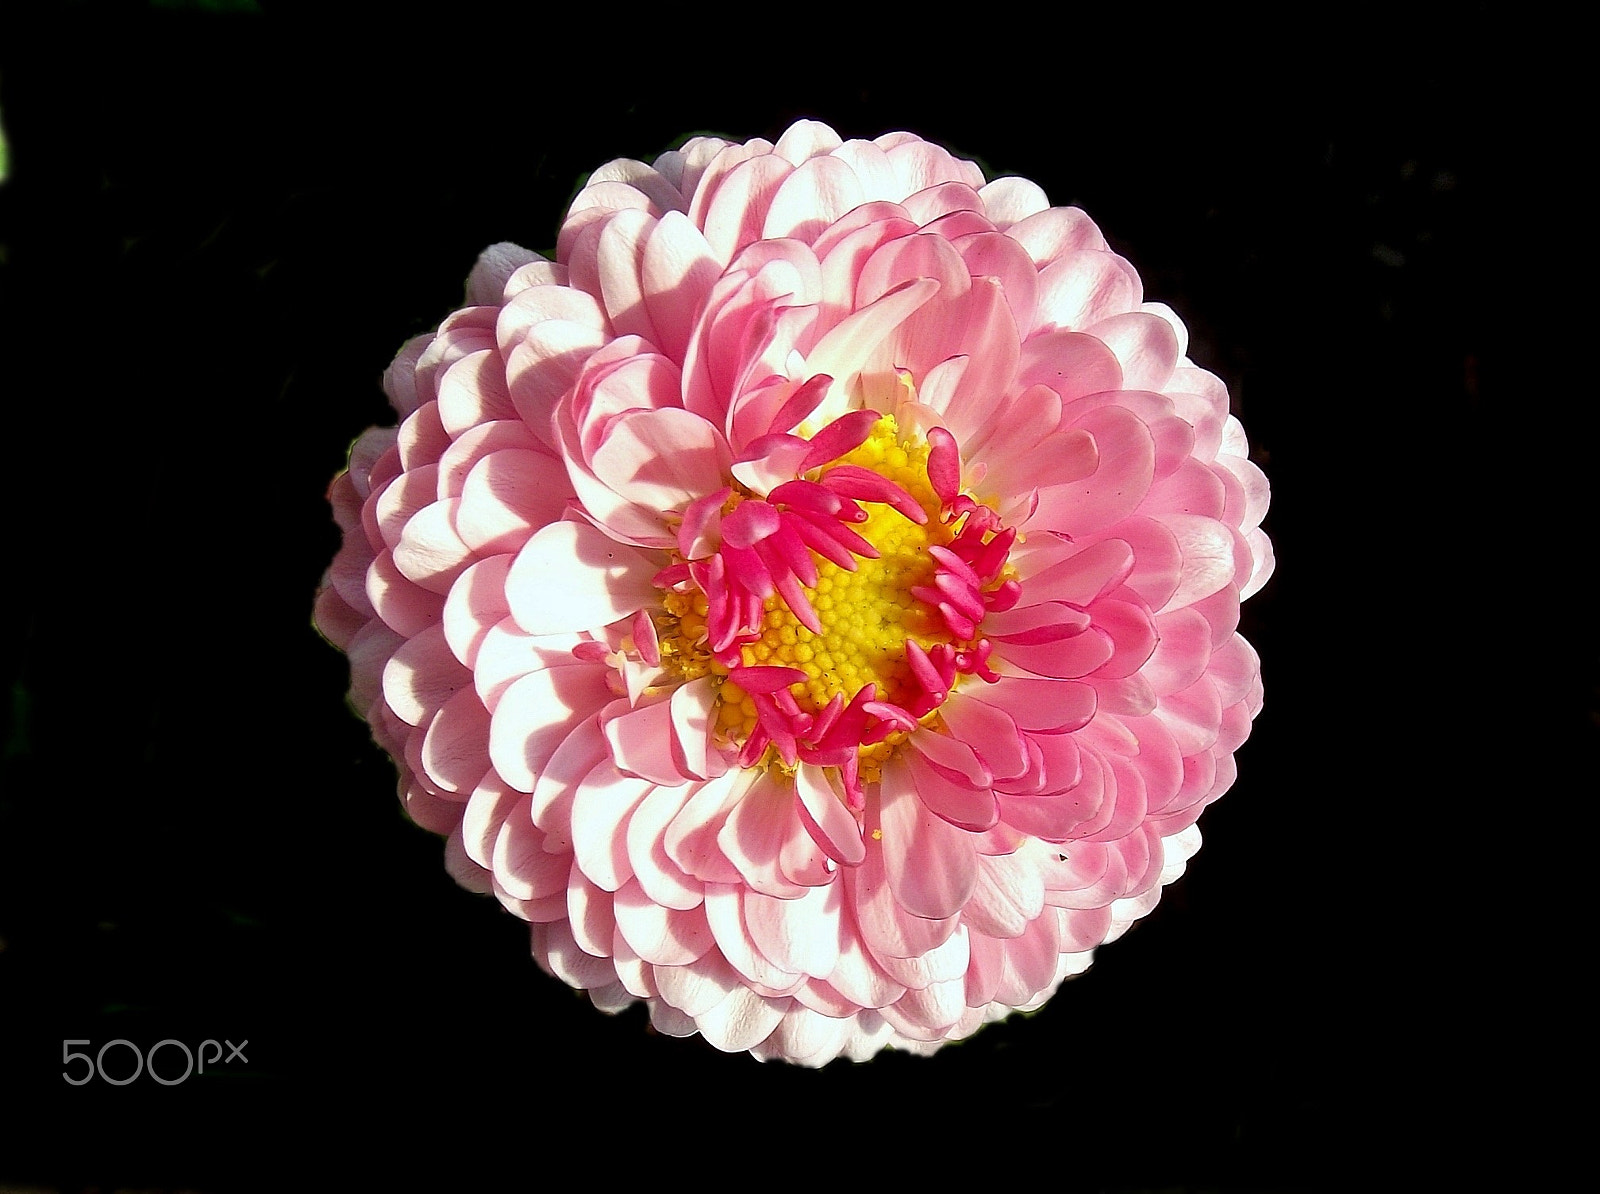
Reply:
x=841, y=610
x=868, y=613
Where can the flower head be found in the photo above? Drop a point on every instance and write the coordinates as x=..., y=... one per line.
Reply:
x=810, y=600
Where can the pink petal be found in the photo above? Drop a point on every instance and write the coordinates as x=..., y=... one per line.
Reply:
x=570, y=576
x=506, y=497
x=455, y=751
x=661, y=878
x=601, y=807
x=473, y=391
x=662, y=459
x=799, y=935
x=755, y=834
x=965, y=806
x=536, y=714
x=826, y=818
x=641, y=742
x=931, y=865
x=991, y=730
x=661, y=936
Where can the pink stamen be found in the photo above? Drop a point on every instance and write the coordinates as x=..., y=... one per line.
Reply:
x=955, y=564
x=944, y=465
x=991, y=557
x=764, y=679
x=808, y=495
x=788, y=586
x=748, y=570
x=844, y=434
x=802, y=402
x=825, y=719
x=851, y=481
x=752, y=522
x=793, y=551
x=976, y=662
x=962, y=594
x=840, y=534
x=590, y=652
x=960, y=625
x=850, y=773
x=1003, y=598
x=645, y=640
x=773, y=721
x=671, y=575
x=891, y=718
x=754, y=747
x=935, y=688
x=699, y=521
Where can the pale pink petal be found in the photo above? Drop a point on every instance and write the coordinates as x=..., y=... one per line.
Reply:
x=570, y=576
x=422, y=675
x=799, y=935
x=739, y=207
x=818, y=192
x=1007, y=897
x=661, y=936
x=579, y=752
x=1008, y=200
x=676, y=274
x=455, y=750
x=477, y=442
x=477, y=603
x=1125, y=470
x=506, y=497
x=662, y=879
x=490, y=804
x=1050, y=235
x=406, y=608
x=536, y=714
x=1146, y=347
x=805, y=139
x=755, y=834
x=601, y=807
x=542, y=368
x=741, y=1021
x=521, y=865
x=1084, y=286
x=697, y=989
x=887, y=929
x=662, y=459
x=473, y=391
x=641, y=742
x=967, y=806
x=430, y=552
x=691, y=840
x=1206, y=546
x=724, y=908
x=826, y=818
x=991, y=730
x=931, y=864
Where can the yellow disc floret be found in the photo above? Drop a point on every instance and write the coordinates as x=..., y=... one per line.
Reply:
x=681, y=636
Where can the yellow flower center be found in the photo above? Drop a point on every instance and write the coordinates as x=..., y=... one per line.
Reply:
x=866, y=614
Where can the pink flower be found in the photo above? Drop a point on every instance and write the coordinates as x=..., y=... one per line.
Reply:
x=810, y=601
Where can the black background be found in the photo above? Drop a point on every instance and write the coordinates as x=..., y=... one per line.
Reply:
x=218, y=229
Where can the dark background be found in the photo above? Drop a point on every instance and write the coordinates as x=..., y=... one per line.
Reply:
x=218, y=228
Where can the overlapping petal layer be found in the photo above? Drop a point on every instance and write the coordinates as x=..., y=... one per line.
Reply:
x=811, y=600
